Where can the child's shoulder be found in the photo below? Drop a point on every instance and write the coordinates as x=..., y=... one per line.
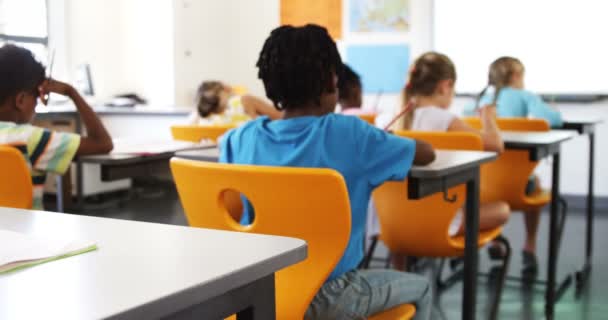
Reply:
x=519, y=93
x=11, y=127
x=345, y=119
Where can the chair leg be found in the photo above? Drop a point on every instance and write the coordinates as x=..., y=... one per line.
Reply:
x=387, y=262
x=451, y=280
x=502, y=277
x=370, y=253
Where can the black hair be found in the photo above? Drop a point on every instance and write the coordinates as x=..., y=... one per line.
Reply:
x=19, y=71
x=297, y=65
x=347, y=81
x=208, y=98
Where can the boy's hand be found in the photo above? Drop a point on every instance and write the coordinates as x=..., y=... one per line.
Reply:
x=54, y=86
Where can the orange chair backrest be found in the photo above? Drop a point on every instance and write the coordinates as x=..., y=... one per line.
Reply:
x=506, y=178
x=308, y=204
x=369, y=118
x=15, y=179
x=196, y=133
x=420, y=227
x=513, y=124
x=240, y=90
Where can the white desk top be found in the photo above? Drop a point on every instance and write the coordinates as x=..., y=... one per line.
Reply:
x=69, y=108
x=537, y=138
x=140, y=271
x=583, y=120
x=445, y=163
x=449, y=161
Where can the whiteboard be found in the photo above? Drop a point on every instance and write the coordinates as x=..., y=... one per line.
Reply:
x=563, y=44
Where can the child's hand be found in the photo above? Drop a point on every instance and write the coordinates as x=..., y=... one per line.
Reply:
x=488, y=111
x=54, y=86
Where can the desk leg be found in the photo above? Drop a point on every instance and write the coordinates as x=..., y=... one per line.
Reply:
x=583, y=275
x=79, y=170
x=590, y=200
x=471, y=249
x=253, y=301
x=59, y=193
x=550, y=294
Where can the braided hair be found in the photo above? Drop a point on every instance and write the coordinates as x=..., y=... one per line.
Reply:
x=424, y=77
x=19, y=71
x=297, y=65
x=500, y=75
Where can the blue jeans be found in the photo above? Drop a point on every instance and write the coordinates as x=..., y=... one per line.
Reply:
x=359, y=294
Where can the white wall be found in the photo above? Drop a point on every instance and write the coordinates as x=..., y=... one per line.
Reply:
x=128, y=43
x=220, y=40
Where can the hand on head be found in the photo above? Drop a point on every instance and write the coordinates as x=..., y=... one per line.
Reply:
x=53, y=86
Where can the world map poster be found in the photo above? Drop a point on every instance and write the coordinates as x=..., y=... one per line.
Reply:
x=369, y=16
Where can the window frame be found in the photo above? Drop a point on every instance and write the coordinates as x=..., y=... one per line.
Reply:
x=30, y=40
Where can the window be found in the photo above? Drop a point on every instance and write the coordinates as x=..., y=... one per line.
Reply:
x=561, y=43
x=25, y=23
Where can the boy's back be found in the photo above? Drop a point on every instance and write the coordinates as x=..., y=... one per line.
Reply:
x=365, y=156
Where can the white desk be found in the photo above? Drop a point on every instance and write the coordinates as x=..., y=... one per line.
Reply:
x=144, y=271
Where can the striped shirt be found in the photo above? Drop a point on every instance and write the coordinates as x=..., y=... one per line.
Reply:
x=44, y=150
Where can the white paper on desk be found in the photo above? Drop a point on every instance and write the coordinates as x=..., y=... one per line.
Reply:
x=18, y=249
x=155, y=147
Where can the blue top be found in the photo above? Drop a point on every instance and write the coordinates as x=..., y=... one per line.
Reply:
x=516, y=103
x=364, y=155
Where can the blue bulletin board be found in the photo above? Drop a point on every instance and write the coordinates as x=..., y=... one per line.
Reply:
x=383, y=68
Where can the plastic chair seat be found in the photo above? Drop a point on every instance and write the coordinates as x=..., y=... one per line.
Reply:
x=402, y=312
x=538, y=199
x=485, y=237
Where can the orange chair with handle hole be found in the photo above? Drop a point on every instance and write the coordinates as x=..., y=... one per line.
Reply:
x=278, y=194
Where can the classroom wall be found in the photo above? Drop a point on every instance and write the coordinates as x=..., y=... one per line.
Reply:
x=220, y=40
x=128, y=43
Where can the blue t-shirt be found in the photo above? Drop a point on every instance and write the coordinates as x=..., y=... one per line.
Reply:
x=516, y=103
x=364, y=155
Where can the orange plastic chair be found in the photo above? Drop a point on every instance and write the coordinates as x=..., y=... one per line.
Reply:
x=428, y=237
x=240, y=90
x=196, y=133
x=507, y=177
x=421, y=227
x=369, y=118
x=319, y=195
x=16, y=182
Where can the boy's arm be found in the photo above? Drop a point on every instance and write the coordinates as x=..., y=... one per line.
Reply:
x=98, y=139
x=425, y=153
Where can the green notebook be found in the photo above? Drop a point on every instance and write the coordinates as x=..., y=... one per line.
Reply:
x=19, y=251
